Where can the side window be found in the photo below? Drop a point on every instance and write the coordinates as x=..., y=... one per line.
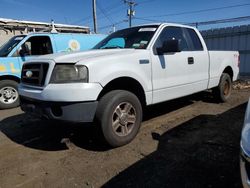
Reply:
x=38, y=45
x=170, y=33
x=195, y=42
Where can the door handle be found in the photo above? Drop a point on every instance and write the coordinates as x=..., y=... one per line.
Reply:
x=190, y=60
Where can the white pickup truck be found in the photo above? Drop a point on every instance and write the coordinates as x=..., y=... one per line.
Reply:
x=130, y=69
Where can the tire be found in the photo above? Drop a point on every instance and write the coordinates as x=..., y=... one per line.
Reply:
x=223, y=91
x=119, y=114
x=9, y=97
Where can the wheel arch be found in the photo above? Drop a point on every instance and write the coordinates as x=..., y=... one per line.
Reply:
x=229, y=71
x=125, y=83
x=10, y=77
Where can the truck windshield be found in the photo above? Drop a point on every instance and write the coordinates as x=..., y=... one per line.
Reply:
x=135, y=37
x=8, y=46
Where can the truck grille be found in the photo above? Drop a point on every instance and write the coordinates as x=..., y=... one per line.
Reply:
x=34, y=74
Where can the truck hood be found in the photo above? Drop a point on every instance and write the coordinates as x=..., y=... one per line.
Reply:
x=86, y=56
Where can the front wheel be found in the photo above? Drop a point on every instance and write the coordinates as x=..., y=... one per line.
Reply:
x=9, y=97
x=119, y=114
x=223, y=91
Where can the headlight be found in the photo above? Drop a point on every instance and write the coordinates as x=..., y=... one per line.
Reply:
x=69, y=73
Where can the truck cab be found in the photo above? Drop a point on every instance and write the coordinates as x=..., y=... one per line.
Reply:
x=26, y=47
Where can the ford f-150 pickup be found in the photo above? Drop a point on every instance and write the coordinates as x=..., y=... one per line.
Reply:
x=130, y=69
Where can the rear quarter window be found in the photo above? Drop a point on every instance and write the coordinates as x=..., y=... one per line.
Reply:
x=194, y=40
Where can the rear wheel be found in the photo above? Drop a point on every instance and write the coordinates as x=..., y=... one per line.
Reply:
x=223, y=91
x=119, y=114
x=9, y=97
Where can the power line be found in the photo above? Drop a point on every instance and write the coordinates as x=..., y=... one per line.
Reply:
x=146, y=1
x=101, y=18
x=104, y=13
x=117, y=23
x=150, y=20
x=110, y=8
x=227, y=20
x=160, y=21
x=210, y=22
x=197, y=11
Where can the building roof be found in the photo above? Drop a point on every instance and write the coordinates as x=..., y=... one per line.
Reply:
x=11, y=24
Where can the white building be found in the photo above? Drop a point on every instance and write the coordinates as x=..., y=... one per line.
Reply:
x=10, y=27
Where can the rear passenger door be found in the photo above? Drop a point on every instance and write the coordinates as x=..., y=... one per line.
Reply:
x=181, y=73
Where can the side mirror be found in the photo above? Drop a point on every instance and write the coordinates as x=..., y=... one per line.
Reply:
x=169, y=46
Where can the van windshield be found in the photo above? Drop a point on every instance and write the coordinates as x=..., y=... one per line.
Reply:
x=135, y=37
x=6, y=48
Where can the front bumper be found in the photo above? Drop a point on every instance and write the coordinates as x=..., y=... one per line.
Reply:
x=65, y=111
x=68, y=92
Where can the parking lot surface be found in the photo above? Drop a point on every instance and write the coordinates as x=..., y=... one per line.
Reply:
x=189, y=142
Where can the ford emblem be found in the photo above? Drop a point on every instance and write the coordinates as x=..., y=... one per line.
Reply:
x=29, y=74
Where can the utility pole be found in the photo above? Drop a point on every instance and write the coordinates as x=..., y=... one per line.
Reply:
x=94, y=15
x=131, y=12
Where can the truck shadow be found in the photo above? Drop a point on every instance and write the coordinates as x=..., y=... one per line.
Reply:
x=50, y=135
x=172, y=105
x=53, y=136
x=202, y=152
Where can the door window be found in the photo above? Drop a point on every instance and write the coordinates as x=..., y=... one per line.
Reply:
x=38, y=45
x=172, y=33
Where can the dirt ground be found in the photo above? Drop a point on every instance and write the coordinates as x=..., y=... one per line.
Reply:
x=189, y=142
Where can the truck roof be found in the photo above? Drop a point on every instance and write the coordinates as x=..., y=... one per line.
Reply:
x=165, y=23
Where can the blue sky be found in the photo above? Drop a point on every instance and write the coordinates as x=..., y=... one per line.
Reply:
x=110, y=12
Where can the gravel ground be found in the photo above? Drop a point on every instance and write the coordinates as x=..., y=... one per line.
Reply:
x=189, y=142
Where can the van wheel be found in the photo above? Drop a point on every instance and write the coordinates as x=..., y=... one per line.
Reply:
x=223, y=91
x=9, y=97
x=119, y=115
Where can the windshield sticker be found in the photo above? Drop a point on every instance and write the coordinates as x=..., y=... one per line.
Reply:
x=19, y=38
x=136, y=45
x=147, y=29
x=144, y=42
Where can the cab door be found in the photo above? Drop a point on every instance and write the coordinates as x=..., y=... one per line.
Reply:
x=9, y=65
x=177, y=74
